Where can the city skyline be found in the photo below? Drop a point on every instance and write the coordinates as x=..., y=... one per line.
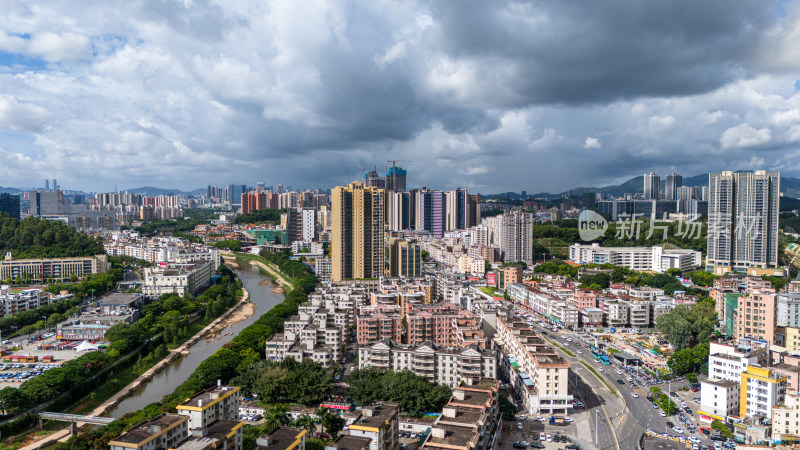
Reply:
x=145, y=95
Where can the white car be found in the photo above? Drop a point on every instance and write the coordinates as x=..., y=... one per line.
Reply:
x=629, y=378
x=693, y=439
x=549, y=438
x=619, y=371
x=600, y=369
x=677, y=429
x=539, y=419
x=683, y=404
x=580, y=352
x=663, y=414
x=542, y=437
x=635, y=395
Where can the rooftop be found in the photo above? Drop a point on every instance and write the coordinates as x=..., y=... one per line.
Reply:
x=450, y=437
x=150, y=428
x=280, y=438
x=377, y=414
x=721, y=383
x=208, y=397
x=347, y=442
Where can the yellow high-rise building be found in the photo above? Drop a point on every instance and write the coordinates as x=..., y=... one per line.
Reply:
x=357, y=232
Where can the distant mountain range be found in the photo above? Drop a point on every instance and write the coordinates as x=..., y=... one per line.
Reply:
x=9, y=190
x=790, y=187
x=149, y=190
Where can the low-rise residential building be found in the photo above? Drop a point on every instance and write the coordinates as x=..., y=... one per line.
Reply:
x=719, y=399
x=379, y=322
x=534, y=368
x=379, y=423
x=164, y=432
x=592, y=317
x=218, y=403
x=448, y=366
x=469, y=421
x=16, y=302
x=786, y=420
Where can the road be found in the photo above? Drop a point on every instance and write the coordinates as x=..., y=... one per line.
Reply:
x=626, y=415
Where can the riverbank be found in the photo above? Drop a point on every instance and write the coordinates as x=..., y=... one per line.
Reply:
x=271, y=271
x=240, y=312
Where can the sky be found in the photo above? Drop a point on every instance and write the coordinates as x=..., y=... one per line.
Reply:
x=489, y=96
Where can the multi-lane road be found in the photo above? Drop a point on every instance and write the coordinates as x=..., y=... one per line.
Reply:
x=622, y=417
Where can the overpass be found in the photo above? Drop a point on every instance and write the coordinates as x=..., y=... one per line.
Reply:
x=73, y=419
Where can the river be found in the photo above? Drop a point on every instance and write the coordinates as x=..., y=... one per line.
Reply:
x=261, y=294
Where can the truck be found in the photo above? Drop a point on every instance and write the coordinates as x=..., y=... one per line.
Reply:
x=559, y=420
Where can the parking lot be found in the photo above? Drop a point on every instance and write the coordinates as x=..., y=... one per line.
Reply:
x=536, y=434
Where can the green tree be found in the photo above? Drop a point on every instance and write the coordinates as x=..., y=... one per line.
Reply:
x=276, y=416
x=689, y=360
x=305, y=422
x=507, y=408
x=271, y=385
x=726, y=432
x=322, y=414
x=334, y=423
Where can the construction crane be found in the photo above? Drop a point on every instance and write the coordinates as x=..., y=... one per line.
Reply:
x=394, y=161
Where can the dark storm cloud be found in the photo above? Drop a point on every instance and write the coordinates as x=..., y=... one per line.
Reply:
x=491, y=96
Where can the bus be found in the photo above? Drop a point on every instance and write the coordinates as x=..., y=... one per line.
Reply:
x=598, y=355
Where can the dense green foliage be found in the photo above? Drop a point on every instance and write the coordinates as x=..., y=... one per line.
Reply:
x=288, y=380
x=40, y=238
x=726, y=432
x=614, y=274
x=415, y=394
x=687, y=327
x=301, y=274
x=229, y=244
x=789, y=222
x=260, y=216
x=507, y=408
x=689, y=360
x=702, y=278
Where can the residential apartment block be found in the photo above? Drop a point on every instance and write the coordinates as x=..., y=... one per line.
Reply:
x=52, y=268
x=534, y=368
x=448, y=366
x=178, y=278
x=656, y=259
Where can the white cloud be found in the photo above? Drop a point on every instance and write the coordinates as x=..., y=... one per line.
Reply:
x=745, y=135
x=16, y=116
x=591, y=143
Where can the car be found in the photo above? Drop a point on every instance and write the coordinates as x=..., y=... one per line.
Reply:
x=694, y=389
x=693, y=439
x=535, y=436
x=629, y=378
x=619, y=371
x=670, y=424
x=683, y=404
x=519, y=425
x=542, y=437
x=688, y=410
x=520, y=445
x=717, y=446
x=621, y=382
x=580, y=352
x=600, y=369
x=549, y=438
x=539, y=419
x=654, y=405
x=696, y=399
x=729, y=445
x=573, y=446
x=564, y=439
x=635, y=395
x=536, y=445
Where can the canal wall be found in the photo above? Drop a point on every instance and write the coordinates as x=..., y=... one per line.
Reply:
x=269, y=268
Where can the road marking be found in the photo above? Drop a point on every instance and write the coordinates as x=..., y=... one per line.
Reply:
x=619, y=424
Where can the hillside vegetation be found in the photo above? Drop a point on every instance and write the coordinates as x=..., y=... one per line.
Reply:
x=40, y=238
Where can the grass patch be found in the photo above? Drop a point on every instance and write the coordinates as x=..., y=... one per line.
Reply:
x=489, y=290
x=104, y=392
x=597, y=374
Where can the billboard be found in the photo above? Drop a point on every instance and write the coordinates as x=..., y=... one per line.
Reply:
x=491, y=279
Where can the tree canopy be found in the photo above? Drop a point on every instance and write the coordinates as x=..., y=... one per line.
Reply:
x=34, y=237
x=687, y=327
x=416, y=395
x=260, y=216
